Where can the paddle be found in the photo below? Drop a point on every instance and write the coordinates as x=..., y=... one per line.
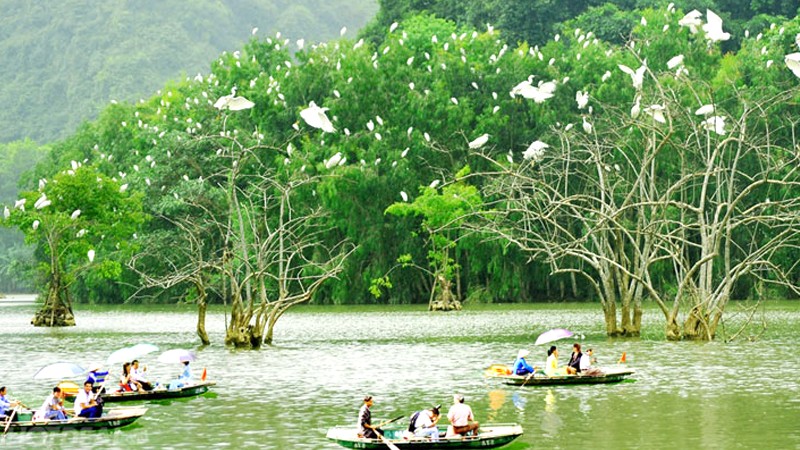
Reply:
x=381, y=437
x=9, y=419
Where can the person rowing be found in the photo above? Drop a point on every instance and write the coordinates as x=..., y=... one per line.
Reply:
x=7, y=405
x=365, y=428
x=521, y=367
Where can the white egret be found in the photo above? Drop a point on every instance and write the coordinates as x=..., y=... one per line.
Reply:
x=43, y=204
x=41, y=199
x=35, y=224
x=675, y=62
x=316, y=117
x=393, y=27
x=342, y=31
x=538, y=94
x=434, y=184
x=90, y=255
x=370, y=126
x=479, y=142
x=20, y=204
x=81, y=233
x=75, y=214
x=587, y=127
x=713, y=28
x=233, y=103
x=636, y=109
x=637, y=76
x=123, y=188
x=691, y=20
x=705, y=110
x=657, y=113
x=404, y=153
x=715, y=124
x=300, y=43
x=333, y=161
x=793, y=63
x=582, y=98
x=6, y=213
x=535, y=151
x=404, y=196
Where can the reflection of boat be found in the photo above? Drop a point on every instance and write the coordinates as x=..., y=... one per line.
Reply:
x=605, y=375
x=490, y=436
x=112, y=418
x=158, y=393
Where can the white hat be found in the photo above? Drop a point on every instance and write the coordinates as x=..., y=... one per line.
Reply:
x=522, y=353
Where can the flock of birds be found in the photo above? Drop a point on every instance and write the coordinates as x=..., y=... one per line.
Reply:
x=316, y=116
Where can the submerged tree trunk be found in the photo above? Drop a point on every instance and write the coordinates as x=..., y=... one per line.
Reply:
x=445, y=301
x=202, y=306
x=57, y=308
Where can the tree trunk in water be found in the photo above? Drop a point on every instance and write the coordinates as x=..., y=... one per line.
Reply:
x=202, y=306
x=631, y=321
x=446, y=301
x=695, y=327
x=673, y=331
x=610, y=313
x=56, y=311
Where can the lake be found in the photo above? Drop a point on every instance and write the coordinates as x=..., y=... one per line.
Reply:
x=685, y=394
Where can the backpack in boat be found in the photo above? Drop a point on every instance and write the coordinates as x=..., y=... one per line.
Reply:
x=413, y=421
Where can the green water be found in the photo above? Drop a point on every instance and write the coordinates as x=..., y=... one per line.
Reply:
x=685, y=395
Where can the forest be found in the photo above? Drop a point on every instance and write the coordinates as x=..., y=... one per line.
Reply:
x=443, y=160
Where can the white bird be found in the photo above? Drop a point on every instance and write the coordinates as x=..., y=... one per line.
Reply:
x=479, y=142
x=675, y=62
x=233, y=103
x=393, y=27
x=657, y=113
x=333, y=161
x=20, y=204
x=582, y=98
x=713, y=28
x=637, y=77
x=715, y=124
x=75, y=214
x=404, y=196
x=705, y=110
x=90, y=255
x=691, y=20
x=636, y=109
x=316, y=117
x=123, y=188
x=536, y=93
x=535, y=151
x=43, y=204
x=342, y=31
x=793, y=63
x=434, y=183
x=587, y=127
x=35, y=224
x=404, y=153
x=40, y=200
x=6, y=213
x=255, y=30
x=81, y=233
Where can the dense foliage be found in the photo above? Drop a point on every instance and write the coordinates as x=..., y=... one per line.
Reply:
x=405, y=110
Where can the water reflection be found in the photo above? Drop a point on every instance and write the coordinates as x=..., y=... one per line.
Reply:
x=551, y=422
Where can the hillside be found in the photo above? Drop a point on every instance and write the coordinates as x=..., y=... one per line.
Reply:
x=64, y=61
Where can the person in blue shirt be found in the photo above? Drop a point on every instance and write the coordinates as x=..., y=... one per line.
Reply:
x=6, y=405
x=98, y=378
x=521, y=367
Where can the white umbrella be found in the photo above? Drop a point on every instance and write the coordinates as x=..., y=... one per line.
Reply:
x=59, y=370
x=553, y=335
x=128, y=354
x=177, y=355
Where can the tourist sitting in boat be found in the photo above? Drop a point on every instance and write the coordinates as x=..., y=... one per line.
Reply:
x=53, y=407
x=551, y=368
x=365, y=428
x=140, y=376
x=521, y=367
x=575, y=359
x=424, y=423
x=6, y=405
x=184, y=379
x=86, y=403
x=461, y=418
x=126, y=381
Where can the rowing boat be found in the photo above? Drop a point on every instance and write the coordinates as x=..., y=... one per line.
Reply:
x=603, y=375
x=158, y=393
x=111, y=418
x=490, y=436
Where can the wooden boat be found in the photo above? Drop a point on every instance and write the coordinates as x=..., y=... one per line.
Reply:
x=604, y=375
x=112, y=418
x=490, y=436
x=158, y=393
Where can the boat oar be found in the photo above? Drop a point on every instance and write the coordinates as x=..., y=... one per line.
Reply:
x=381, y=437
x=9, y=419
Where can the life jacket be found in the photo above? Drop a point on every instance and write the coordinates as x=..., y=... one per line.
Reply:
x=412, y=424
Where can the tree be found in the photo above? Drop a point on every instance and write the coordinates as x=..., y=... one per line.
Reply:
x=77, y=215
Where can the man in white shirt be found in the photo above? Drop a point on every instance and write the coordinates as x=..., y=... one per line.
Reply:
x=426, y=422
x=85, y=403
x=461, y=417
